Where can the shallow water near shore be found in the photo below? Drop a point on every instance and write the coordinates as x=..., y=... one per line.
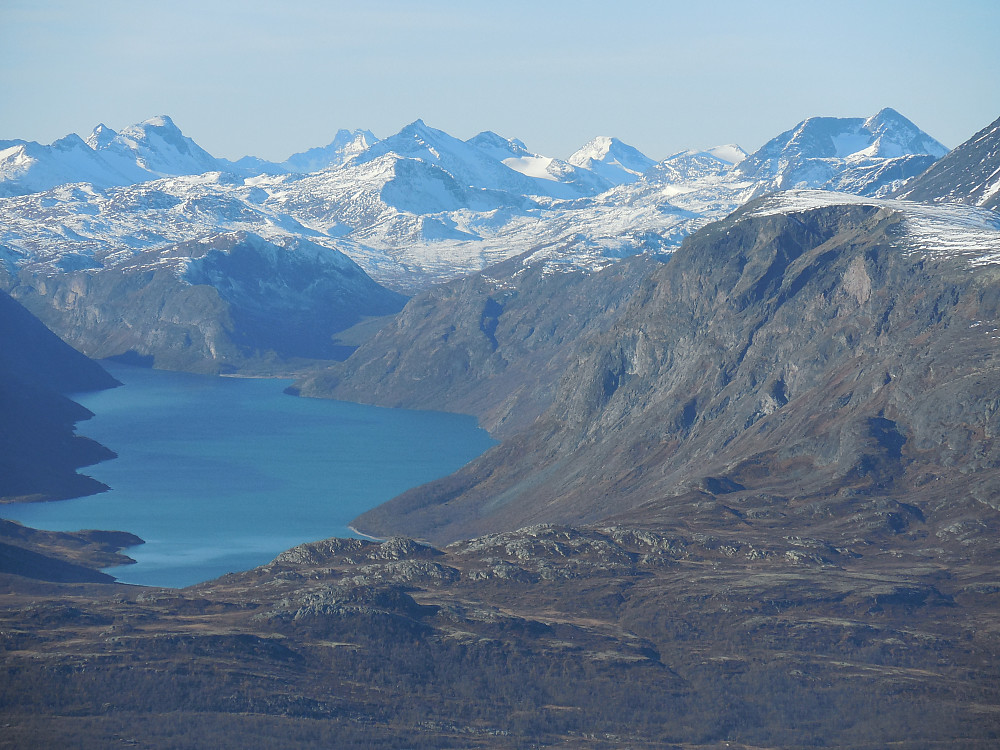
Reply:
x=221, y=474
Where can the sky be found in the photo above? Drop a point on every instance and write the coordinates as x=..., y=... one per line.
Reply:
x=267, y=79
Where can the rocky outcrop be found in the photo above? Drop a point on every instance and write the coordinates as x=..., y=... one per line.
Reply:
x=548, y=636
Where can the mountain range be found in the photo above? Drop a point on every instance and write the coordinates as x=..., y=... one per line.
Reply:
x=747, y=486
x=418, y=207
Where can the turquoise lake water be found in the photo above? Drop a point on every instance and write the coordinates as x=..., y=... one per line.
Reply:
x=221, y=474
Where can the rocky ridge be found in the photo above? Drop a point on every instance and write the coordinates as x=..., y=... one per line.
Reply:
x=423, y=206
x=228, y=302
x=810, y=346
x=773, y=464
x=969, y=174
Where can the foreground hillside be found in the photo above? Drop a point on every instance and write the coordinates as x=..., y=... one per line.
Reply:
x=546, y=637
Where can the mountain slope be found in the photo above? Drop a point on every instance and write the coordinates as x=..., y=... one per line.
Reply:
x=156, y=146
x=472, y=166
x=28, y=167
x=39, y=452
x=346, y=144
x=417, y=208
x=491, y=344
x=809, y=349
x=422, y=206
x=969, y=174
x=225, y=302
x=514, y=154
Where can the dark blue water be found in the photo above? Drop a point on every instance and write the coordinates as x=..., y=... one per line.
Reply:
x=222, y=474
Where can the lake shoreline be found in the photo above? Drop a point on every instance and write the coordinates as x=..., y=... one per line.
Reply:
x=220, y=474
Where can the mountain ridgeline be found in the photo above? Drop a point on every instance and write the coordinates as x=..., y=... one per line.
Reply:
x=226, y=303
x=969, y=174
x=140, y=243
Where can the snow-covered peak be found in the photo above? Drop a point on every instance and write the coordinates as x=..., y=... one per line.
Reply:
x=596, y=149
x=100, y=137
x=417, y=141
x=864, y=156
x=498, y=147
x=885, y=135
x=475, y=167
x=158, y=146
x=29, y=167
x=893, y=135
x=687, y=166
x=346, y=145
x=71, y=142
x=612, y=159
x=730, y=153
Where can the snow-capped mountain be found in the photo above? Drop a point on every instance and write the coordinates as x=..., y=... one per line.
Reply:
x=686, y=166
x=145, y=151
x=872, y=156
x=345, y=145
x=514, y=154
x=418, y=207
x=969, y=174
x=29, y=167
x=611, y=159
x=422, y=206
x=156, y=146
x=475, y=163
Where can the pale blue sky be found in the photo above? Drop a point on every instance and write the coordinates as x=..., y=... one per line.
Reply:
x=269, y=79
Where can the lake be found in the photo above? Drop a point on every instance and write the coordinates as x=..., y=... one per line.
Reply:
x=221, y=474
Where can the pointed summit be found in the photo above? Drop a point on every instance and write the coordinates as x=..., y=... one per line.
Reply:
x=894, y=135
x=864, y=156
x=158, y=146
x=497, y=146
x=100, y=137
x=346, y=145
x=612, y=159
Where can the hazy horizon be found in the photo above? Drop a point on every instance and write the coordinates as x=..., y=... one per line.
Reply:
x=255, y=79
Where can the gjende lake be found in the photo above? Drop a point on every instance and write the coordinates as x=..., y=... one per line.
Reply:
x=221, y=474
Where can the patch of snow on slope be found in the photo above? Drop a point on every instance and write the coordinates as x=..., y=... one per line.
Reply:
x=936, y=232
x=532, y=166
x=729, y=152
